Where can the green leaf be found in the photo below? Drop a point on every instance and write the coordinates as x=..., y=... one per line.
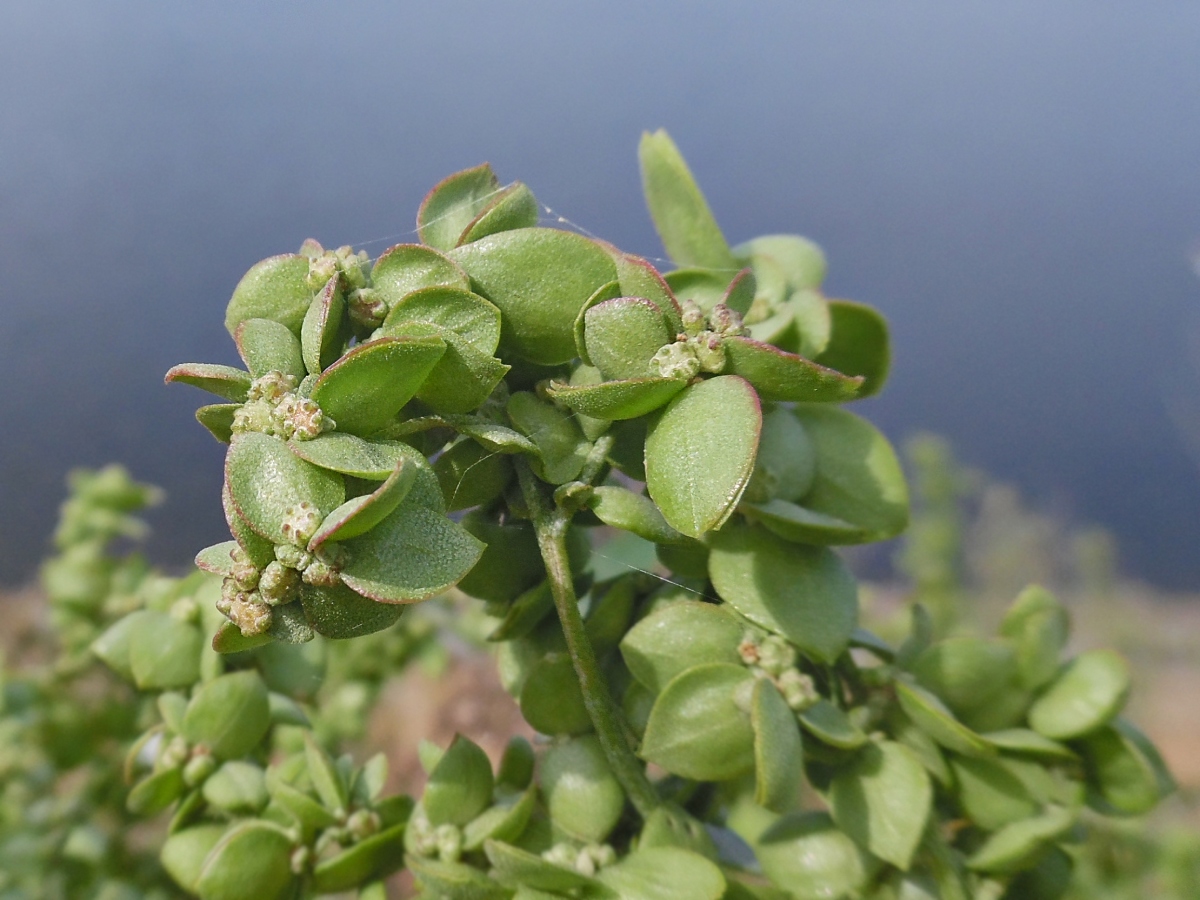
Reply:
x=617, y=400
x=1038, y=626
x=338, y=612
x=539, y=278
x=1126, y=768
x=704, y=287
x=805, y=594
x=520, y=868
x=112, y=647
x=218, y=419
x=800, y=525
x=217, y=558
x=460, y=785
x=471, y=475
x=251, y=862
x=969, y=674
x=524, y=614
x=1022, y=740
x=455, y=881
x=374, y=459
x=778, y=752
x=678, y=637
x=681, y=215
x=514, y=207
x=229, y=639
x=360, y=514
x=363, y=391
x=324, y=331
x=276, y=288
x=621, y=336
x=828, y=723
x=638, y=278
x=229, y=715
x=453, y=204
x=511, y=562
x=550, y=699
x=858, y=345
x=696, y=728
x=379, y=855
x=155, y=792
x=859, y=479
x=778, y=375
x=605, y=292
x=236, y=787
x=700, y=453
x=492, y=436
x=267, y=346
x=740, y=293
x=1014, y=847
x=800, y=260
x=1089, y=693
x=621, y=508
x=224, y=381
x=806, y=853
x=561, y=445
x=516, y=765
x=581, y=793
x=883, y=800
x=164, y=652
x=405, y=268
x=504, y=821
x=931, y=716
x=183, y=853
x=328, y=781
x=300, y=806
x=664, y=873
x=787, y=460
x=266, y=481
x=990, y=793
x=472, y=318
x=413, y=554
x=260, y=550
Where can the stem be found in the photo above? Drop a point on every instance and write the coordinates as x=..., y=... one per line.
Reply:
x=550, y=526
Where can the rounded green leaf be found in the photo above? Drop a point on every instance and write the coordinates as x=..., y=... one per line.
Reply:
x=700, y=453
x=324, y=329
x=696, y=728
x=266, y=480
x=539, y=278
x=778, y=753
x=828, y=723
x=931, y=716
x=1088, y=693
x=229, y=715
x=638, y=278
x=155, y=792
x=677, y=637
x=164, y=652
x=218, y=419
x=883, y=800
x=455, y=881
x=1126, y=768
x=800, y=260
x=405, y=268
x=805, y=853
x=260, y=550
x=1022, y=740
x=360, y=514
x=562, y=447
x=858, y=345
x=460, y=785
x=511, y=562
x=740, y=293
x=681, y=215
x=609, y=291
x=551, y=700
x=267, y=346
x=1014, y=847
x=183, y=853
x=514, y=207
x=967, y=673
x=471, y=475
x=520, y=868
x=379, y=855
x=413, y=554
x=621, y=508
x=251, y=862
x=276, y=288
x=704, y=287
x=858, y=479
x=224, y=381
x=617, y=400
x=621, y=335
x=363, y=391
x=237, y=787
x=469, y=316
x=664, y=873
x=503, y=822
x=990, y=793
x=779, y=375
x=805, y=594
x=338, y=612
x=453, y=204
x=581, y=793
x=787, y=461
x=351, y=455
x=1038, y=626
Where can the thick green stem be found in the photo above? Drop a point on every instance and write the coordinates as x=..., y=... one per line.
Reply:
x=551, y=527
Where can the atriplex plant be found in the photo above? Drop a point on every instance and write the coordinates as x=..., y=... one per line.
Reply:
x=464, y=412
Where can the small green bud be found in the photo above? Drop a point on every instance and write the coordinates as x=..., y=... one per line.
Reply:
x=245, y=609
x=693, y=317
x=198, y=768
x=449, y=843
x=725, y=321
x=300, y=860
x=562, y=854
x=173, y=754
x=676, y=360
x=320, y=270
x=367, y=307
x=272, y=387
x=254, y=416
x=775, y=655
x=748, y=649
x=362, y=824
x=278, y=584
x=321, y=574
x=709, y=349
x=798, y=690
x=293, y=557
x=300, y=523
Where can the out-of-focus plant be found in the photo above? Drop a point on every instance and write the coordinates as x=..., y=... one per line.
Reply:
x=464, y=412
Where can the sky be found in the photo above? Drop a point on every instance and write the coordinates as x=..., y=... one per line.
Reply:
x=1016, y=186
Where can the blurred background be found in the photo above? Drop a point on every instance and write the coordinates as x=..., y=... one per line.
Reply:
x=1016, y=186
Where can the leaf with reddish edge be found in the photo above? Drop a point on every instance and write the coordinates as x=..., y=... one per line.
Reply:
x=411, y=555
x=616, y=400
x=224, y=381
x=609, y=291
x=453, y=204
x=704, y=287
x=338, y=612
x=363, y=391
x=351, y=455
x=266, y=346
x=740, y=293
x=623, y=334
x=218, y=419
x=405, y=268
x=324, y=328
x=217, y=558
x=514, y=207
x=360, y=514
x=260, y=550
x=276, y=288
x=700, y=453
x=471, y=317
x=639, y=278
x=781, y=376
x=858, y=345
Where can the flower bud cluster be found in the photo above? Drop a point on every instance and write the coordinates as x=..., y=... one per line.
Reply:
x=443, y=841
x=273, y=407
x=774, y=658
x=586, y=860
x=700, y=347
x=367, y=307
x=351, y=266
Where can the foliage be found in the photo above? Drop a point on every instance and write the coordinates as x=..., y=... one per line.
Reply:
x=466, y=412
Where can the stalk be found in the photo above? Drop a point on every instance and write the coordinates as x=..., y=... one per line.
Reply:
x=550, y=526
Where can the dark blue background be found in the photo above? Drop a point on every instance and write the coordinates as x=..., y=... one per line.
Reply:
x=1017, y=186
